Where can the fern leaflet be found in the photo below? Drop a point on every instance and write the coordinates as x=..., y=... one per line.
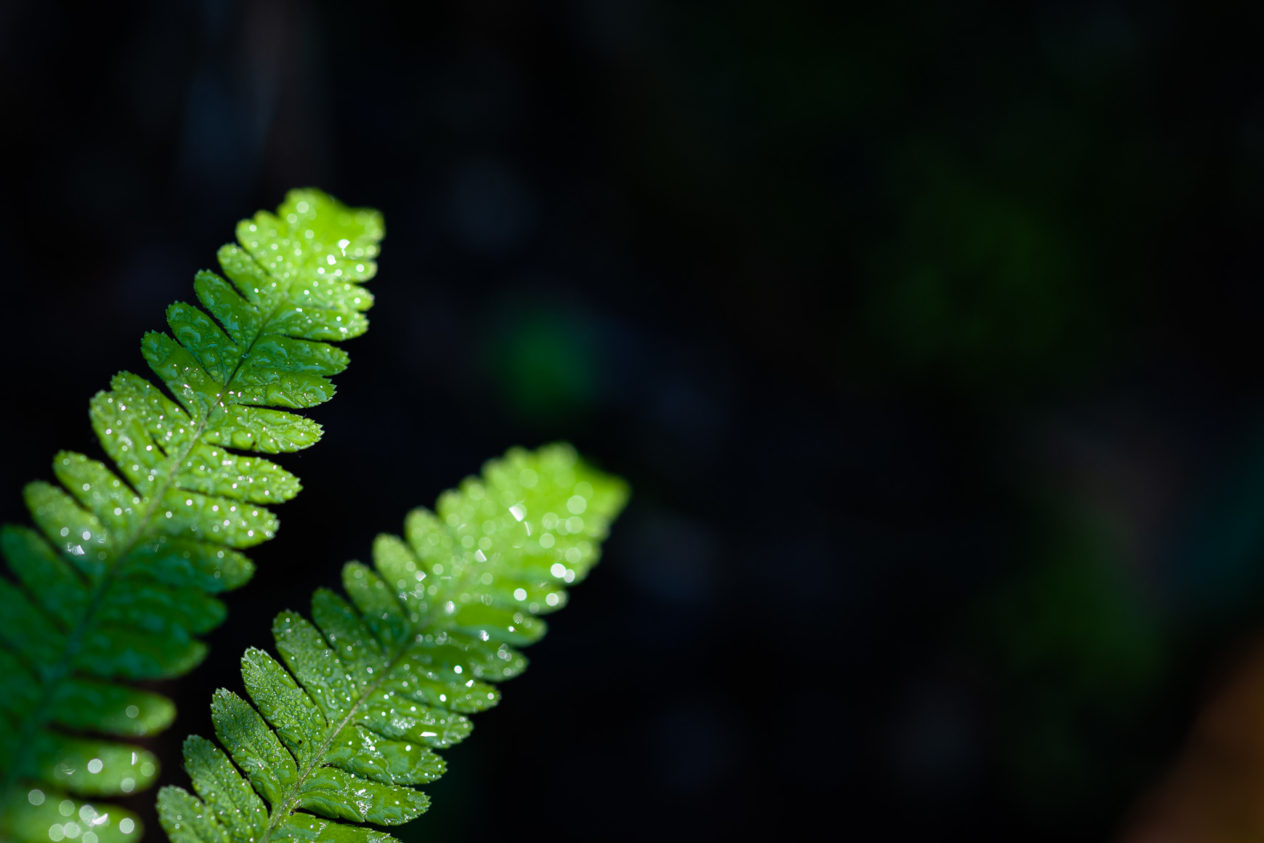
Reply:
x=376, y=684
x=118, y=579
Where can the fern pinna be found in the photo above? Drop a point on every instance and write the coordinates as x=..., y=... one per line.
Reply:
x=376, y=684
x=117, y=581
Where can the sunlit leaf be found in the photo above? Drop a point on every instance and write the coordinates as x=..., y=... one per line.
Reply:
x=115, y=582
x=344, y=730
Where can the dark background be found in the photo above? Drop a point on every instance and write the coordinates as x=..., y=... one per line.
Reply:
x=927, y=337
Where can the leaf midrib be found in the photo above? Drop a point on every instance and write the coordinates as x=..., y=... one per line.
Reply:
x=416, y=634
x=289, y=803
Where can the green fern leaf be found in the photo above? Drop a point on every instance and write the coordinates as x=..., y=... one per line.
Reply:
x=349, y=725
x=118, y=579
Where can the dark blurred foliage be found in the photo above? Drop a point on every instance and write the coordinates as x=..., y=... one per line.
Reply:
x=927, y=336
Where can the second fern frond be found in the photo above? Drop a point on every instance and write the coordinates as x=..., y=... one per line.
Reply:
x=349, y=725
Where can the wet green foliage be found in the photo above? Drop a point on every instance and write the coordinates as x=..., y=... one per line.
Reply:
x=374, y=684
x=118, y=578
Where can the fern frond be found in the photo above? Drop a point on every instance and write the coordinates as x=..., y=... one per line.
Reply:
x=343, y=731
x=118, y=579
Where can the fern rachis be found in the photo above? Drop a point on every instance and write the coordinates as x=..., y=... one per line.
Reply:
x=370, y=689
x=117, y=583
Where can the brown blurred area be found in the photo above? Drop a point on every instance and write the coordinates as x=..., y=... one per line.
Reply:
x=1214, y=791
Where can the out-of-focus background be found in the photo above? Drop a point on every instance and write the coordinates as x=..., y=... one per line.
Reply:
x=927, y=336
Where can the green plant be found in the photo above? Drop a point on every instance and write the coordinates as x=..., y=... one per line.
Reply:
x=377, y=684
x=117, y=582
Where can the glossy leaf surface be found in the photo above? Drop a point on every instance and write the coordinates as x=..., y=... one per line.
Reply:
x=345, y=726
x=116, y=581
